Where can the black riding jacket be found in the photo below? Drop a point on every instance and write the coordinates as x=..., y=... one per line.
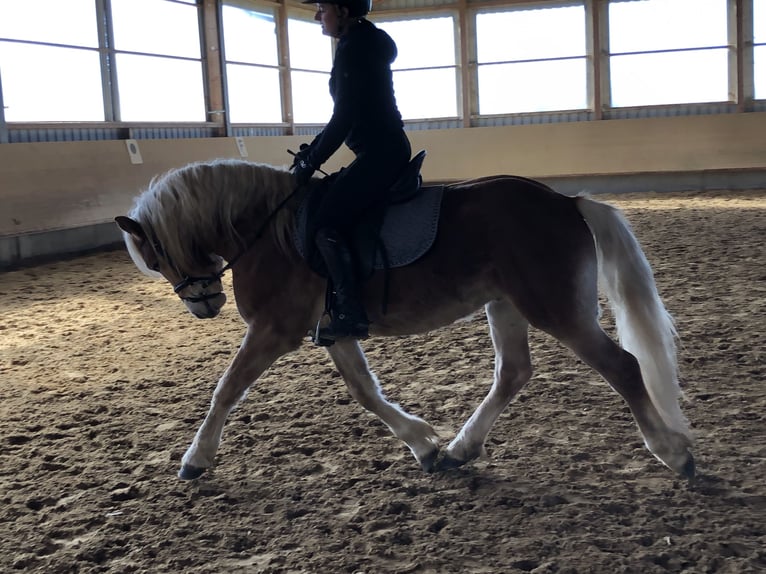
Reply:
x=361, y=86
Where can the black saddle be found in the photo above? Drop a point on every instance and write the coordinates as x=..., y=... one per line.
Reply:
x=396, y=235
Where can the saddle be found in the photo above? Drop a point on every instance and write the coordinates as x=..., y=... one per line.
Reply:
x=394, y=236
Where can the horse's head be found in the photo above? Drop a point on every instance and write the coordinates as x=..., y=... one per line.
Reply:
x=200, y=289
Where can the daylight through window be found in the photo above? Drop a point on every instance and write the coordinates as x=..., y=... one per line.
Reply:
x=143, y=61
x=660, y=54
x=310, y=63
x=252, y=65
x=759, y=48
x=425, y=73
x=47, y=82
x=159, y=75
x=531, y=60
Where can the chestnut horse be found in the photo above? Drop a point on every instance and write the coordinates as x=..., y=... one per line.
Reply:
x=527, y=254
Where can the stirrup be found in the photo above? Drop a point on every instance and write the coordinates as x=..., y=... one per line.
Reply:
x=326, y=335
x=318, y=337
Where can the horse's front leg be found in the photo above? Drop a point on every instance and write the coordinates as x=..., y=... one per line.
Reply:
x=256, y=353
x=363, y=386
x=513, y=368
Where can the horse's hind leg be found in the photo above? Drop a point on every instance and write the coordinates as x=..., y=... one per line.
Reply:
x=364, y=388
x=513, y=368
x=623, y=373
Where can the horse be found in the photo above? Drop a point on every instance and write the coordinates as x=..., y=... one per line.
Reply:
x=530, y=256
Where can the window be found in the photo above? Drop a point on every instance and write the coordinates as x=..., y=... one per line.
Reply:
x=51, y=21
x=46, y=82
x=159, y=74
x=668, y=52
x=759, y=49
x=531, y=60
x=63, y=61
x=310, y=63
x=425, y=73
x=252, y=65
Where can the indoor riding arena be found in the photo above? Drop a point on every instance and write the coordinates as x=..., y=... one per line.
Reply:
x=105, y=376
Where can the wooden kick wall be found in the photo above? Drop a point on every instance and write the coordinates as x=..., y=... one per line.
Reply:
x=58, y=198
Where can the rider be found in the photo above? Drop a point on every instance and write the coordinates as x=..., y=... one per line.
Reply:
x=366, y=117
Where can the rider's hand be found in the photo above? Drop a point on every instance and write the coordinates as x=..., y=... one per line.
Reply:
x=302, y=171
x=302, y=155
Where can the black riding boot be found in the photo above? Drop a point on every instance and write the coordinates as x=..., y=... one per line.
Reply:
x=348, y=318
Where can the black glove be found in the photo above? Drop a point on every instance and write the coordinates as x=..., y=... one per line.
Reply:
x=302, y=171
x=302, y=155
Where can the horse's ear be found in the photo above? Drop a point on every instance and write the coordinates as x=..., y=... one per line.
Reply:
x=130, y=226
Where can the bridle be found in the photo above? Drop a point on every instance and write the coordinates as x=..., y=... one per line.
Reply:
x=207, y=280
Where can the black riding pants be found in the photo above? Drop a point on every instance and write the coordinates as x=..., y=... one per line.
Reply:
x=364, y=183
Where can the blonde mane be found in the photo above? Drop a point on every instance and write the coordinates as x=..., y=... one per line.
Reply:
x=190, y=209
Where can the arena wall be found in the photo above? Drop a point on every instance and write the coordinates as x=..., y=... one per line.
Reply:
x=60, y=198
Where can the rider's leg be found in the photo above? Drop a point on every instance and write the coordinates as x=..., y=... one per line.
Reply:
x=348, y=317
x=355, y=190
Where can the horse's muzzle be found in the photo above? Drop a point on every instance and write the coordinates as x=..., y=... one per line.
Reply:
x=206, y=308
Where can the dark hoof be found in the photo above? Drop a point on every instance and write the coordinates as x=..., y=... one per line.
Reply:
x=189, y=472
x=447, y=462
x=429, y=463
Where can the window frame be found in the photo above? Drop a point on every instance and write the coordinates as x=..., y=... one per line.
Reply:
x=111, y=55
x=586, y=57
x=280, y=25
x=97, y=48
x=730, y=47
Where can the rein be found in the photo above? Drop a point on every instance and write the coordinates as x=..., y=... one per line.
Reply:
x=206, y=280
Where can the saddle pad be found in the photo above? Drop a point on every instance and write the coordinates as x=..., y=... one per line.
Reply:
x=408, y=231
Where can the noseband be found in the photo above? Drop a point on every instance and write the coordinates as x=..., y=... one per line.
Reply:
x=206, y=281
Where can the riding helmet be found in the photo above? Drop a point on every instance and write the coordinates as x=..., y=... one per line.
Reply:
x=356, y=8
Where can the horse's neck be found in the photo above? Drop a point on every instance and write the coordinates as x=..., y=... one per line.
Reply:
x=257, y=220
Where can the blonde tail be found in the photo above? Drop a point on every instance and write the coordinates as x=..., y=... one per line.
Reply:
x=645, y=328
